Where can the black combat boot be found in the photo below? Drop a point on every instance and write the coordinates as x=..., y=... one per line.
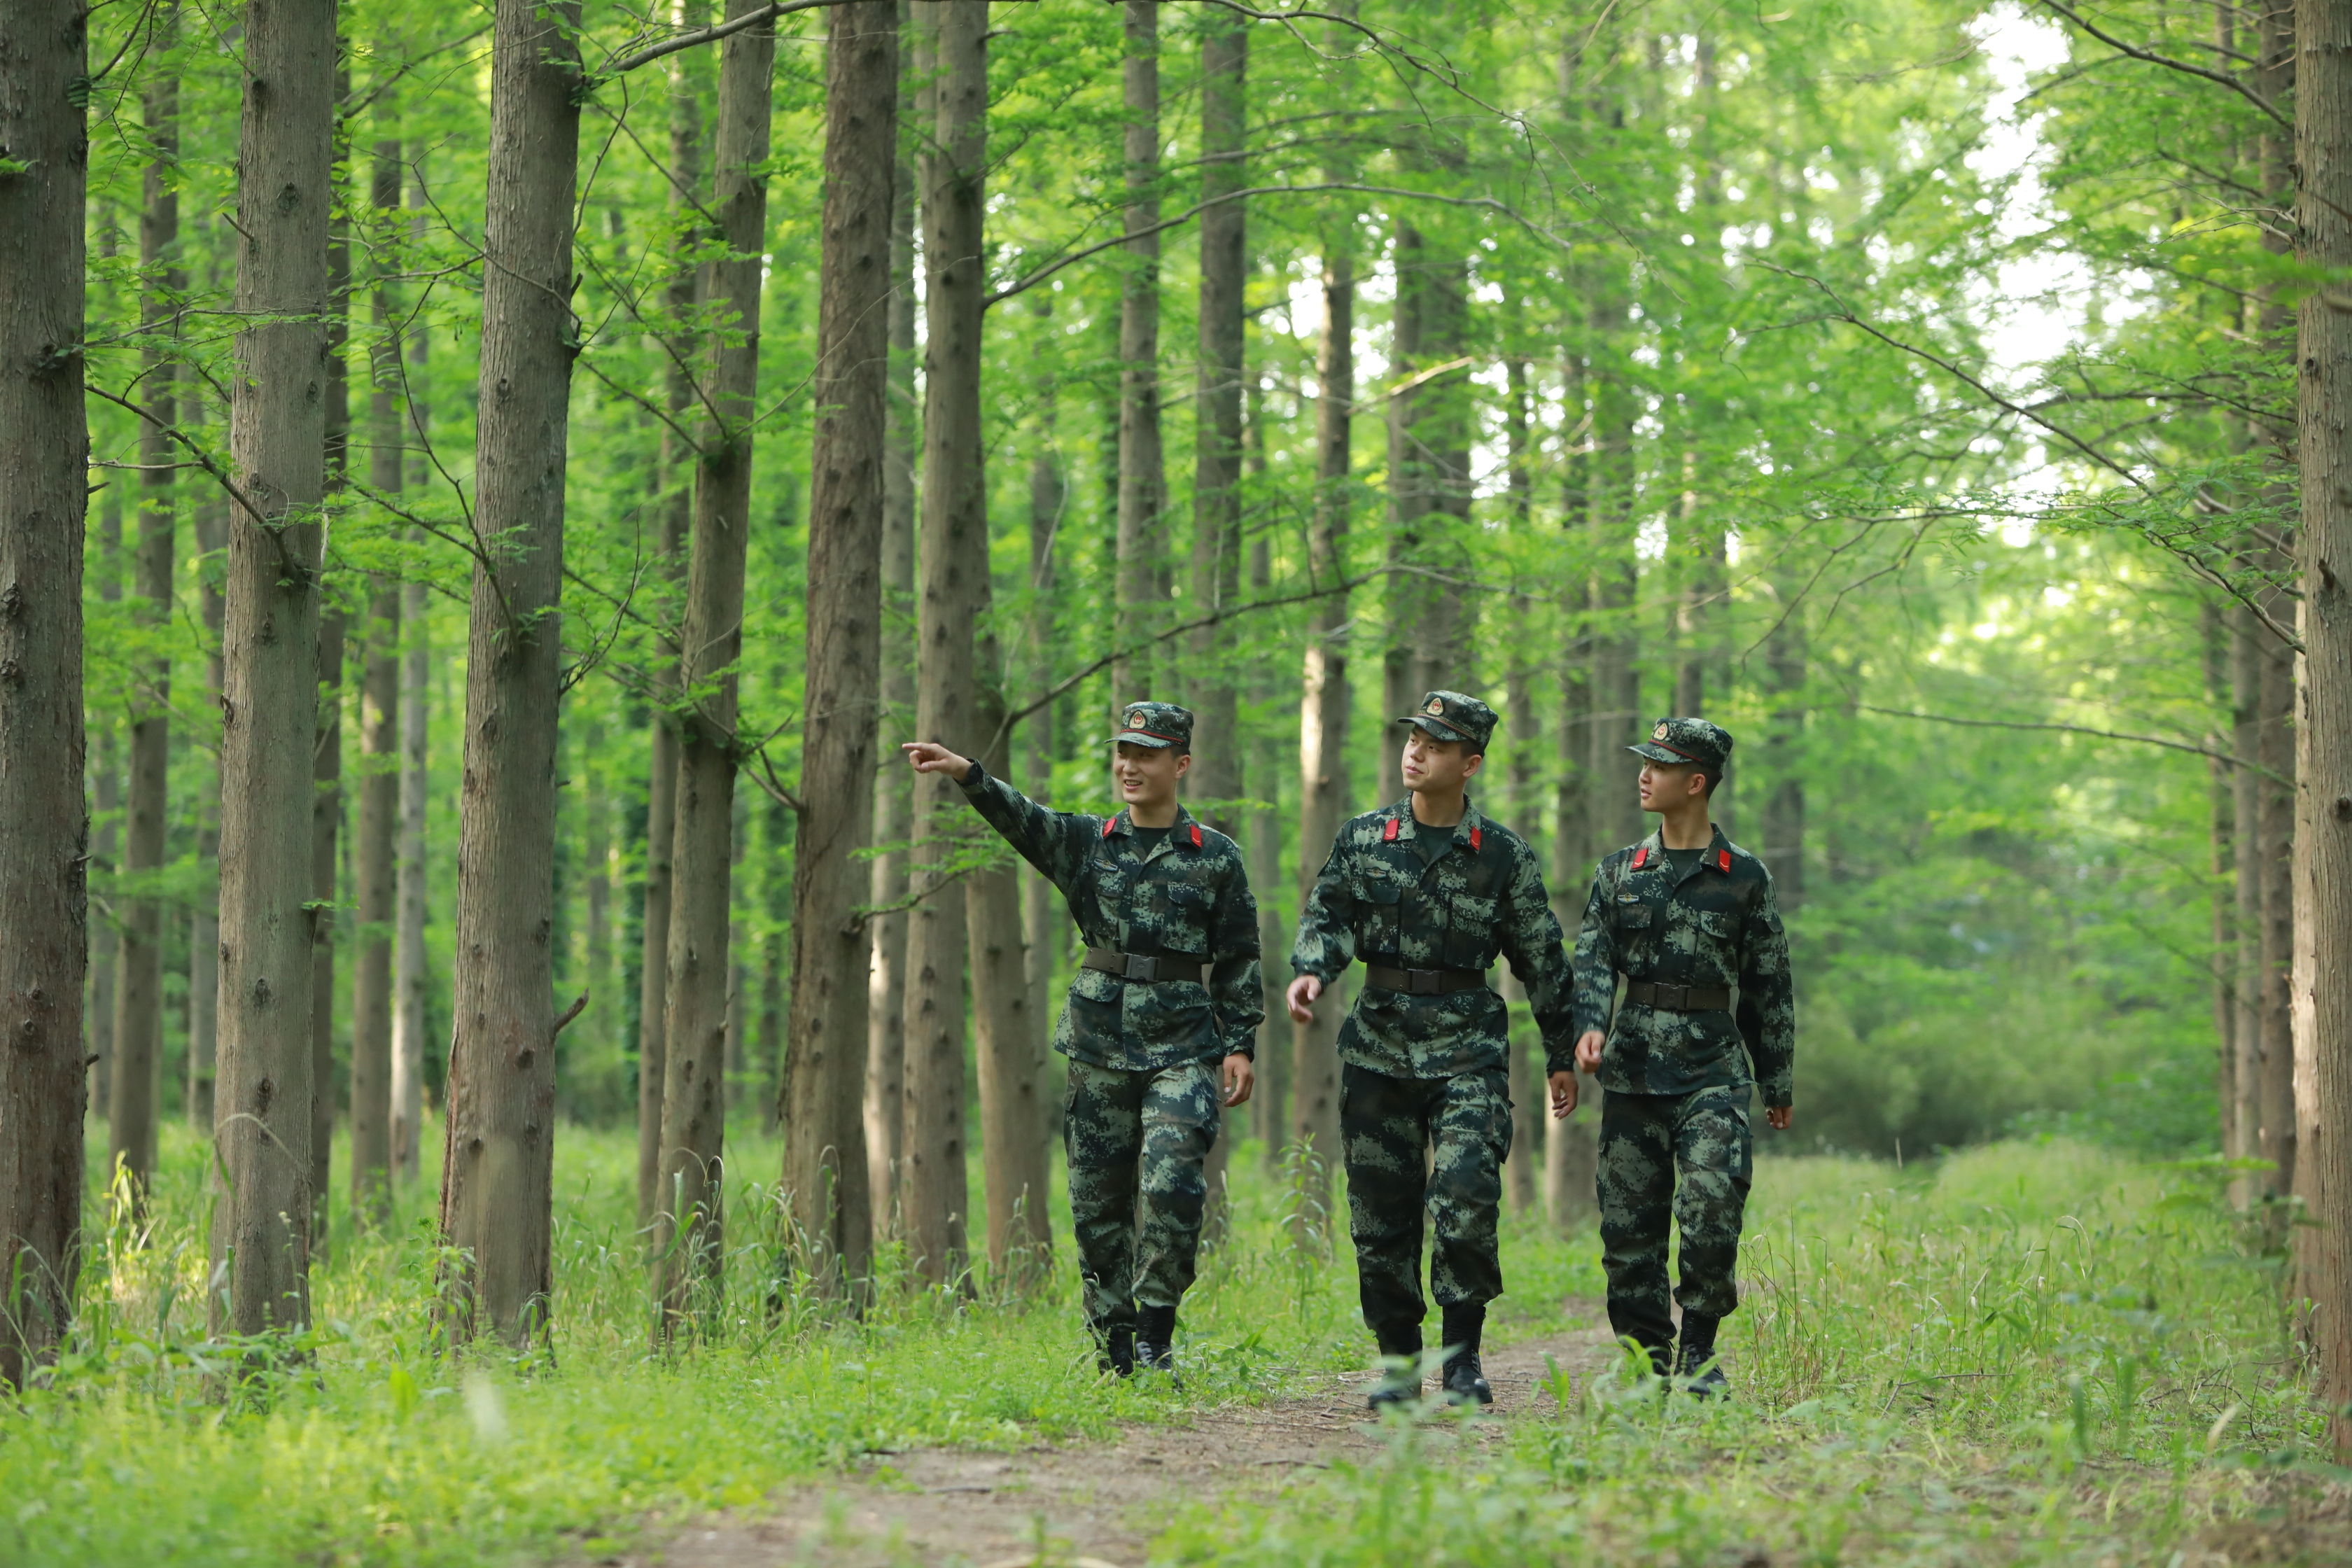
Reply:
x=1694, y=1359
x=1155, y=1341
x=1117, y=1353
x=1398, y=1385
x=1465, y=1383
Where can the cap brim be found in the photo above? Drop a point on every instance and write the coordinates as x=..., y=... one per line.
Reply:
x=1139, y=738
x=1660, y=754
x=1443, y=730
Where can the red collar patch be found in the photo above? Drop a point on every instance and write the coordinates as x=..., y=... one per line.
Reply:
x=1641, y=855
x=1476, y=835
x=1196, y=841
x=1389, y=833
x=1723, y=858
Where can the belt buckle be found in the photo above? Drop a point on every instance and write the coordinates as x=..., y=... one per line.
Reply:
x=1141, y=968
x=1422, y=982
x=1673, y=998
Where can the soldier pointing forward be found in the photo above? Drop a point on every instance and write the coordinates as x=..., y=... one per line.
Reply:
x=1685, y=916
x=1161, y=1019
x=1427, y=892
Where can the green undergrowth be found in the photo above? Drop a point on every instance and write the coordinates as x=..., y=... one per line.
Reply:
x=2024, y=1351
x=374, y=1449
x=2027, y=1352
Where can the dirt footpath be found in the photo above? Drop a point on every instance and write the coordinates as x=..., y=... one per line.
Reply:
x=1097, y=1506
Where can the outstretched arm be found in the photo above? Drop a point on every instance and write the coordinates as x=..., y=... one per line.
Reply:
x=1053, y=841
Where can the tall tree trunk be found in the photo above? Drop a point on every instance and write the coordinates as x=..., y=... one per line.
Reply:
x=2323, y=858
x=1142, y=469
x=327, y=754
x=1040, y=928
x=693, y=1119
x=44, y=822
x=1524, y=1076
x=1217, y=442
x=886, y=1013
x=953, y=551
x=498, y=1134
x=2246, y=794
x=409, y=974
x=1324, y=701
x=211, y=520
x=2272, y=860
x=105, y=942
x=1785, y=654
x=675, y=515
x=262, y=1131
x=1010, y=1048
x=2221, y=844
x=825, y=1168
x=139, y=994
x=376, y=851
x=1615, y=810
x=1263, y=849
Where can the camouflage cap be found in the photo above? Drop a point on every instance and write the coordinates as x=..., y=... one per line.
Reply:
x=1451, y=715
x=1687, y=740
x=1156, y=724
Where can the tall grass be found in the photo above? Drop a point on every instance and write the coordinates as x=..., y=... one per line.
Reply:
x=2031, y=1314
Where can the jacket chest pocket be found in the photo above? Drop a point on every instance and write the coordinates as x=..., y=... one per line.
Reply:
x=1632, y=915
x=1110, y=904
x=1378, y=900
x=1719, y=924
x=1178, y=913
x=1470, y=929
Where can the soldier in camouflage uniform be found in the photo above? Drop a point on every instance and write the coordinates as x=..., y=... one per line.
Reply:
x=1426, y=892
x=1160, y=1021
x=1683, y=916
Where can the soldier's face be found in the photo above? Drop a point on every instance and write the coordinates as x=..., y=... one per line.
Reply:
x=1147, y=775
x=1434, y=764
x=1667, y=785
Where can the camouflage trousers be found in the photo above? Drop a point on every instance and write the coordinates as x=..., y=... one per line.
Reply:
x=1136, y=1142
x=1686, y=1157
x=1388, y=1127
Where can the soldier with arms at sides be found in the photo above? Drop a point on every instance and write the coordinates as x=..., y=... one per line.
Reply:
x=1683, y=916
x=1427, y=892
x=1161, y=1022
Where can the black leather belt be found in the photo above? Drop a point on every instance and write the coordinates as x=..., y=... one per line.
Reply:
x=1424, y=981
x=1678, y=998
x=1148, y=970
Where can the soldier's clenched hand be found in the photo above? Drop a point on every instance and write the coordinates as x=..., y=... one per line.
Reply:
x=1300, y=998
x=1563, y=1095
x=1777, y=1117
x=1588, y=1051
x=1239, y=1077
x=930, y=757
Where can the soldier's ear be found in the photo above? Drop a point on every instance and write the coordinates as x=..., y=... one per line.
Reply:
x=1471, y=765
x=1183, y=764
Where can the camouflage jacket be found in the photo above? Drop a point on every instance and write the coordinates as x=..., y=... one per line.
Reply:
x=1189, y=897
x=1375, y=901
x=1718, y=924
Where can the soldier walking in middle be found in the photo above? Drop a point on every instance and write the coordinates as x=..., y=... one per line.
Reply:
x=1427, y=891
x=1161, y=1022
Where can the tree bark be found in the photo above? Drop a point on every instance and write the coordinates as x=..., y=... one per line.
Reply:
x=1040, y=928
x=676, y=514
x=410, y=973
x=1262, y=848
x=44, y=822
x=2246, y=795
x=498, y=1132
x=138, y=992
x=1217, y=442
x=1142, y=467
x=953, y=561
x=2274, y=864
x=262, y=1134
x=1616, y=809
x=1785, y=655
x=886, y=1013
x=1010, y=1047
x=211, y=521
x=1323, y=705
x=105, y=942
x=693, y=1123
x=825, y=1168
x=2213, y=627
x=327, y=753
x=375, y=853
x=2322, y=843
x=1525, y=1078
